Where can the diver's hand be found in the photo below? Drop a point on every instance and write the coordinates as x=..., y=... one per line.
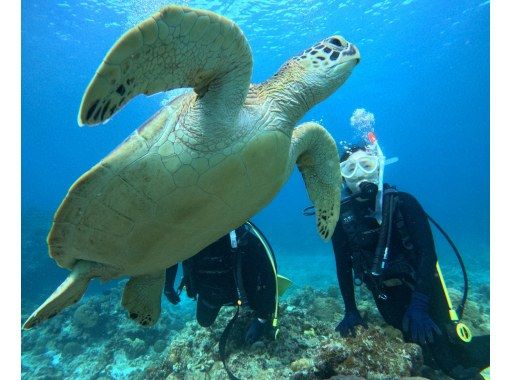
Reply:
x=172, y=296
x=255, y=331
x=417, y=320
x=367, y=190
x=347, y=326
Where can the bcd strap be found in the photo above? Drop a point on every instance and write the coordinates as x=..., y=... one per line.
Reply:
x=223, y=344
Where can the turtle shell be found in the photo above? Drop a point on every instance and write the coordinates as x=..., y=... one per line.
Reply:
x=155, y=200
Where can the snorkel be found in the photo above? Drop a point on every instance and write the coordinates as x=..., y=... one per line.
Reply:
x=363, y=123
x=379, y=197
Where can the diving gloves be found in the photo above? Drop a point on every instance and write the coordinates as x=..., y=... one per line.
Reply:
x=417, y=321
x=351, y=319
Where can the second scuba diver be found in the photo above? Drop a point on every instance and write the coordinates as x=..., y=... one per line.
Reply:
x=237, y=269
x=396, y=258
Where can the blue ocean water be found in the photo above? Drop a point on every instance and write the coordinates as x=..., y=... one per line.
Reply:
x=424, y=74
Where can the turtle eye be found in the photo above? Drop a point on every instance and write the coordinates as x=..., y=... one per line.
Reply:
x=335, y=41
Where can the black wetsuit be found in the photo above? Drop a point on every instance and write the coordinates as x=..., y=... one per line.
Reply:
x=220, y=275
x=409, y=269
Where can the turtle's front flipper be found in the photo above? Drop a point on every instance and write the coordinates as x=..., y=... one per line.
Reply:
x=142, y=297
x=175, y=48
x=316, y=154
x=68, y=293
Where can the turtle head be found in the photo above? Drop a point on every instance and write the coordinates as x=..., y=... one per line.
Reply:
x=327, y=65
x=316, y=73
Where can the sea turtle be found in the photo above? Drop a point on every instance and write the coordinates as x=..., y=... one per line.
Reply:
x=202, y=165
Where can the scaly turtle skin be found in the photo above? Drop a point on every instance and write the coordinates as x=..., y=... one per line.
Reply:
x=202, y=165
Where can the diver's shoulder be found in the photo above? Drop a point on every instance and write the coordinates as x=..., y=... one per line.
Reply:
x=405, y=195
x=408, y=199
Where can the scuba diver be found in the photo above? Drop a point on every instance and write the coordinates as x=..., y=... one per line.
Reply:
x=239, y=269
x=383, y=239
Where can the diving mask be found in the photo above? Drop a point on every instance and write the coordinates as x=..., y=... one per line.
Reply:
x=366, y=164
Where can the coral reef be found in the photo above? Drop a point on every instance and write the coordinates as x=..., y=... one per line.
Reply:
x=95, y=340
x=307, y=346
x=476, y=313
x=86, y=316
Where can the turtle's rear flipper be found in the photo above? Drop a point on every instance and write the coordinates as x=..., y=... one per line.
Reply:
x=142, y=297
x=68, y=293
x=316, y=154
